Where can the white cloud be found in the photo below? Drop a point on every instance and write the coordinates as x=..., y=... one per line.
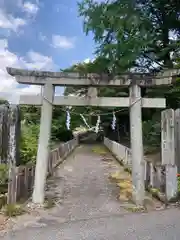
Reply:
x=39, y=61
x=63, y=42
x=9, y=88
x=3, y=43
x=7, y=21
x=88, y=60
x=30, y=8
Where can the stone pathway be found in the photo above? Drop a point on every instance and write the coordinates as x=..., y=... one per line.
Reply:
x=86, y=190
x=86, y=199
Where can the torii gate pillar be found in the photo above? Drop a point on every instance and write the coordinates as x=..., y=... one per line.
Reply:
x=138, y=164
x=43, y=145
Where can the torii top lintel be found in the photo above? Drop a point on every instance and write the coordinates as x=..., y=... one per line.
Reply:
x=167, y=77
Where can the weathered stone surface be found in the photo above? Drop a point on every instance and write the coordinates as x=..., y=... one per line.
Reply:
x=169, y=146
x=43, y=146
x=177, y=139
x=3, y=133
x=92, y=100
x=168, y=136
x=13, y=150
x=92, y=92
x=171, y=181
x=93, y=79
x=14, y=134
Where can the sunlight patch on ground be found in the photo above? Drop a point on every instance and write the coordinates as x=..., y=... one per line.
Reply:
x=123, y=181
x=100, y=150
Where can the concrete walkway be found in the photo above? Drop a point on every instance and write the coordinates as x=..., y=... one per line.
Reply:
x=87, y=207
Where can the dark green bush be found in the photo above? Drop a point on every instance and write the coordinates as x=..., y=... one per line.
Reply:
x=152, y=133
x=3, y=174
x=3, y=178
x=63, y=135
x=29, y=143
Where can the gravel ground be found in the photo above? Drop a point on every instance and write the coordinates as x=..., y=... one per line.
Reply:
x=88, y=208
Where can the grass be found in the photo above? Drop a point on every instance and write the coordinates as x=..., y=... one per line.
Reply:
x=125, y=185
x=13, y=210
x=136, y=209
x=100, y=150
x=154, y=190
x=116, y=176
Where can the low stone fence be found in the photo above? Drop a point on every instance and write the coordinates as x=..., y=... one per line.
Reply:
x=22, y=178
x=122, y=153
x=159, y=178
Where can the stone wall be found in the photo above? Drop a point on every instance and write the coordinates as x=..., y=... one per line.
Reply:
x=122, y=153
x=160, y=177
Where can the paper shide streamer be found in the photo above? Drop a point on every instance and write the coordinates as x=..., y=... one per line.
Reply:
x=97, y=124
x=113, y=125
x=68, y=119
x=87, y=125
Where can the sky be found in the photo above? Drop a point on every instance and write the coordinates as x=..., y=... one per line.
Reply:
x=39, y=34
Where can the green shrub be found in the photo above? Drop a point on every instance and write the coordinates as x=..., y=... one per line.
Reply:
x=29, y=143
x=30, y=136
x=13, y=210
x=61, y=134
x=178, y=184
x=152, y=133
x=3, y=174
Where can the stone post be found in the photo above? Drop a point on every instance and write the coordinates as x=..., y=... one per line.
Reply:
x=168, y=151
x=43, y=145
x=14, y=125
x=177, y=139
x=3, y=133
x=138, y=163
x=13, y=150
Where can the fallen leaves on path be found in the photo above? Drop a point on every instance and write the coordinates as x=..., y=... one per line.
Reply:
x=124, y=182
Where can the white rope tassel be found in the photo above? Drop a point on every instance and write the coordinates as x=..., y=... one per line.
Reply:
x=68, y=119
x=113, y=125
x=97, y=124
x=83, y=118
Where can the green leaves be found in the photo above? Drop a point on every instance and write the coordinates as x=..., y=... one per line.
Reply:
x=29, y=143
x=126, y=30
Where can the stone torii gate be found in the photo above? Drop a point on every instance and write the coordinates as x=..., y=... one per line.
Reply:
x=51, y=79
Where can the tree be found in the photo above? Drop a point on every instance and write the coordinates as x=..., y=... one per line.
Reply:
x=4, y=101
x=133, y=33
